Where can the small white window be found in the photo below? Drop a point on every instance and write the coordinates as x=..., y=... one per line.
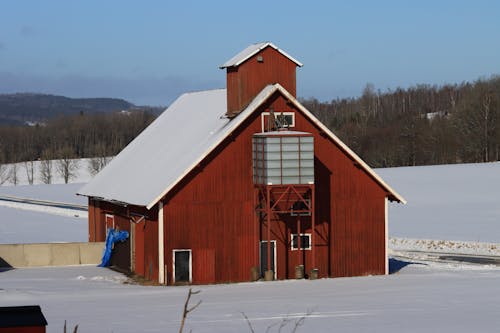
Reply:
x=305, y=242
x=281, y=120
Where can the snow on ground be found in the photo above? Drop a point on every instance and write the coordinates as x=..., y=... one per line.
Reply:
x=420, y=298
x=29, y=223
x=446, y=202
x=447, y=206
x=24, y=226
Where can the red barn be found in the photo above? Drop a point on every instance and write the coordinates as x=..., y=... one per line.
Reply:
x=228, y=184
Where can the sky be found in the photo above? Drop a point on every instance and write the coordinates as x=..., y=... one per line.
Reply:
x=150, y=52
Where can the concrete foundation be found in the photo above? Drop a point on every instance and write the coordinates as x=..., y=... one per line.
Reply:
x=50, y=254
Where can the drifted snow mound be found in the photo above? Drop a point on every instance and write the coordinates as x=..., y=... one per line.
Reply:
x=445, y=246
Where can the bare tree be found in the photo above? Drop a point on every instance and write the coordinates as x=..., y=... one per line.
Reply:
x=29, y=167
x=46, y=167
x=4, y=173
x=14, y=174
x=67, y=165
x=476, y=121
x=46, y=171
x=75, y=330
x=488, y=125
x=96, y=164
x=188, y=309
x=67, y=168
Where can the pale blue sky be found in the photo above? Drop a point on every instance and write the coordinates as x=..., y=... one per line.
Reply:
x=149, y=52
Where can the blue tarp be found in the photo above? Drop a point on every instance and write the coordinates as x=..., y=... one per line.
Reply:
x=112, y=237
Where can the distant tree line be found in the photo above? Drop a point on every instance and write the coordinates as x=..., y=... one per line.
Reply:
x=420, y=125
x=66, y=138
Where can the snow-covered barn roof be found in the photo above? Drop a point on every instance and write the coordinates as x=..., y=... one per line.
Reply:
x=253, y=49
x=178, y=140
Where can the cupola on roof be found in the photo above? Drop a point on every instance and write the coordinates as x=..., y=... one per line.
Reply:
x=252, y=69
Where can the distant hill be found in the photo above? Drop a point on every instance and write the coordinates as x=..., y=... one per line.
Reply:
x=21, y=108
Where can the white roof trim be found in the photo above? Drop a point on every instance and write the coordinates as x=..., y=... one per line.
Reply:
x=251, y=51
x=256, y=102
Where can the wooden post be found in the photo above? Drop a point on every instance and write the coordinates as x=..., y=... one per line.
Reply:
x=257, y=222
x=161, y=244
x=313, y=251
x=268, y=206
x=298, y=235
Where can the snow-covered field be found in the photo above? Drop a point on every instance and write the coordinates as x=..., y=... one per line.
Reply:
x=27, y=223
x=421, y=298
x=451, y=208
x=28, y=226
x=452, y=202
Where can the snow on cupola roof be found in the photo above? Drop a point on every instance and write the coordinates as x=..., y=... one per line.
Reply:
x=252, y=50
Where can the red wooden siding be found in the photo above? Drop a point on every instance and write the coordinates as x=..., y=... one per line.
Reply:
x=247, y=80
x=211, y=213
x=204, y=265
x=121, y=250
x=213, y=209
x=97, y=222
x=354, y=206
x=145, y=234
x=92, y=219
x=146, y=244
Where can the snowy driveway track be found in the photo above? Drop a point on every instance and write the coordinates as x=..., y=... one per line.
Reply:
x=430, y=298
x=44, y=203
